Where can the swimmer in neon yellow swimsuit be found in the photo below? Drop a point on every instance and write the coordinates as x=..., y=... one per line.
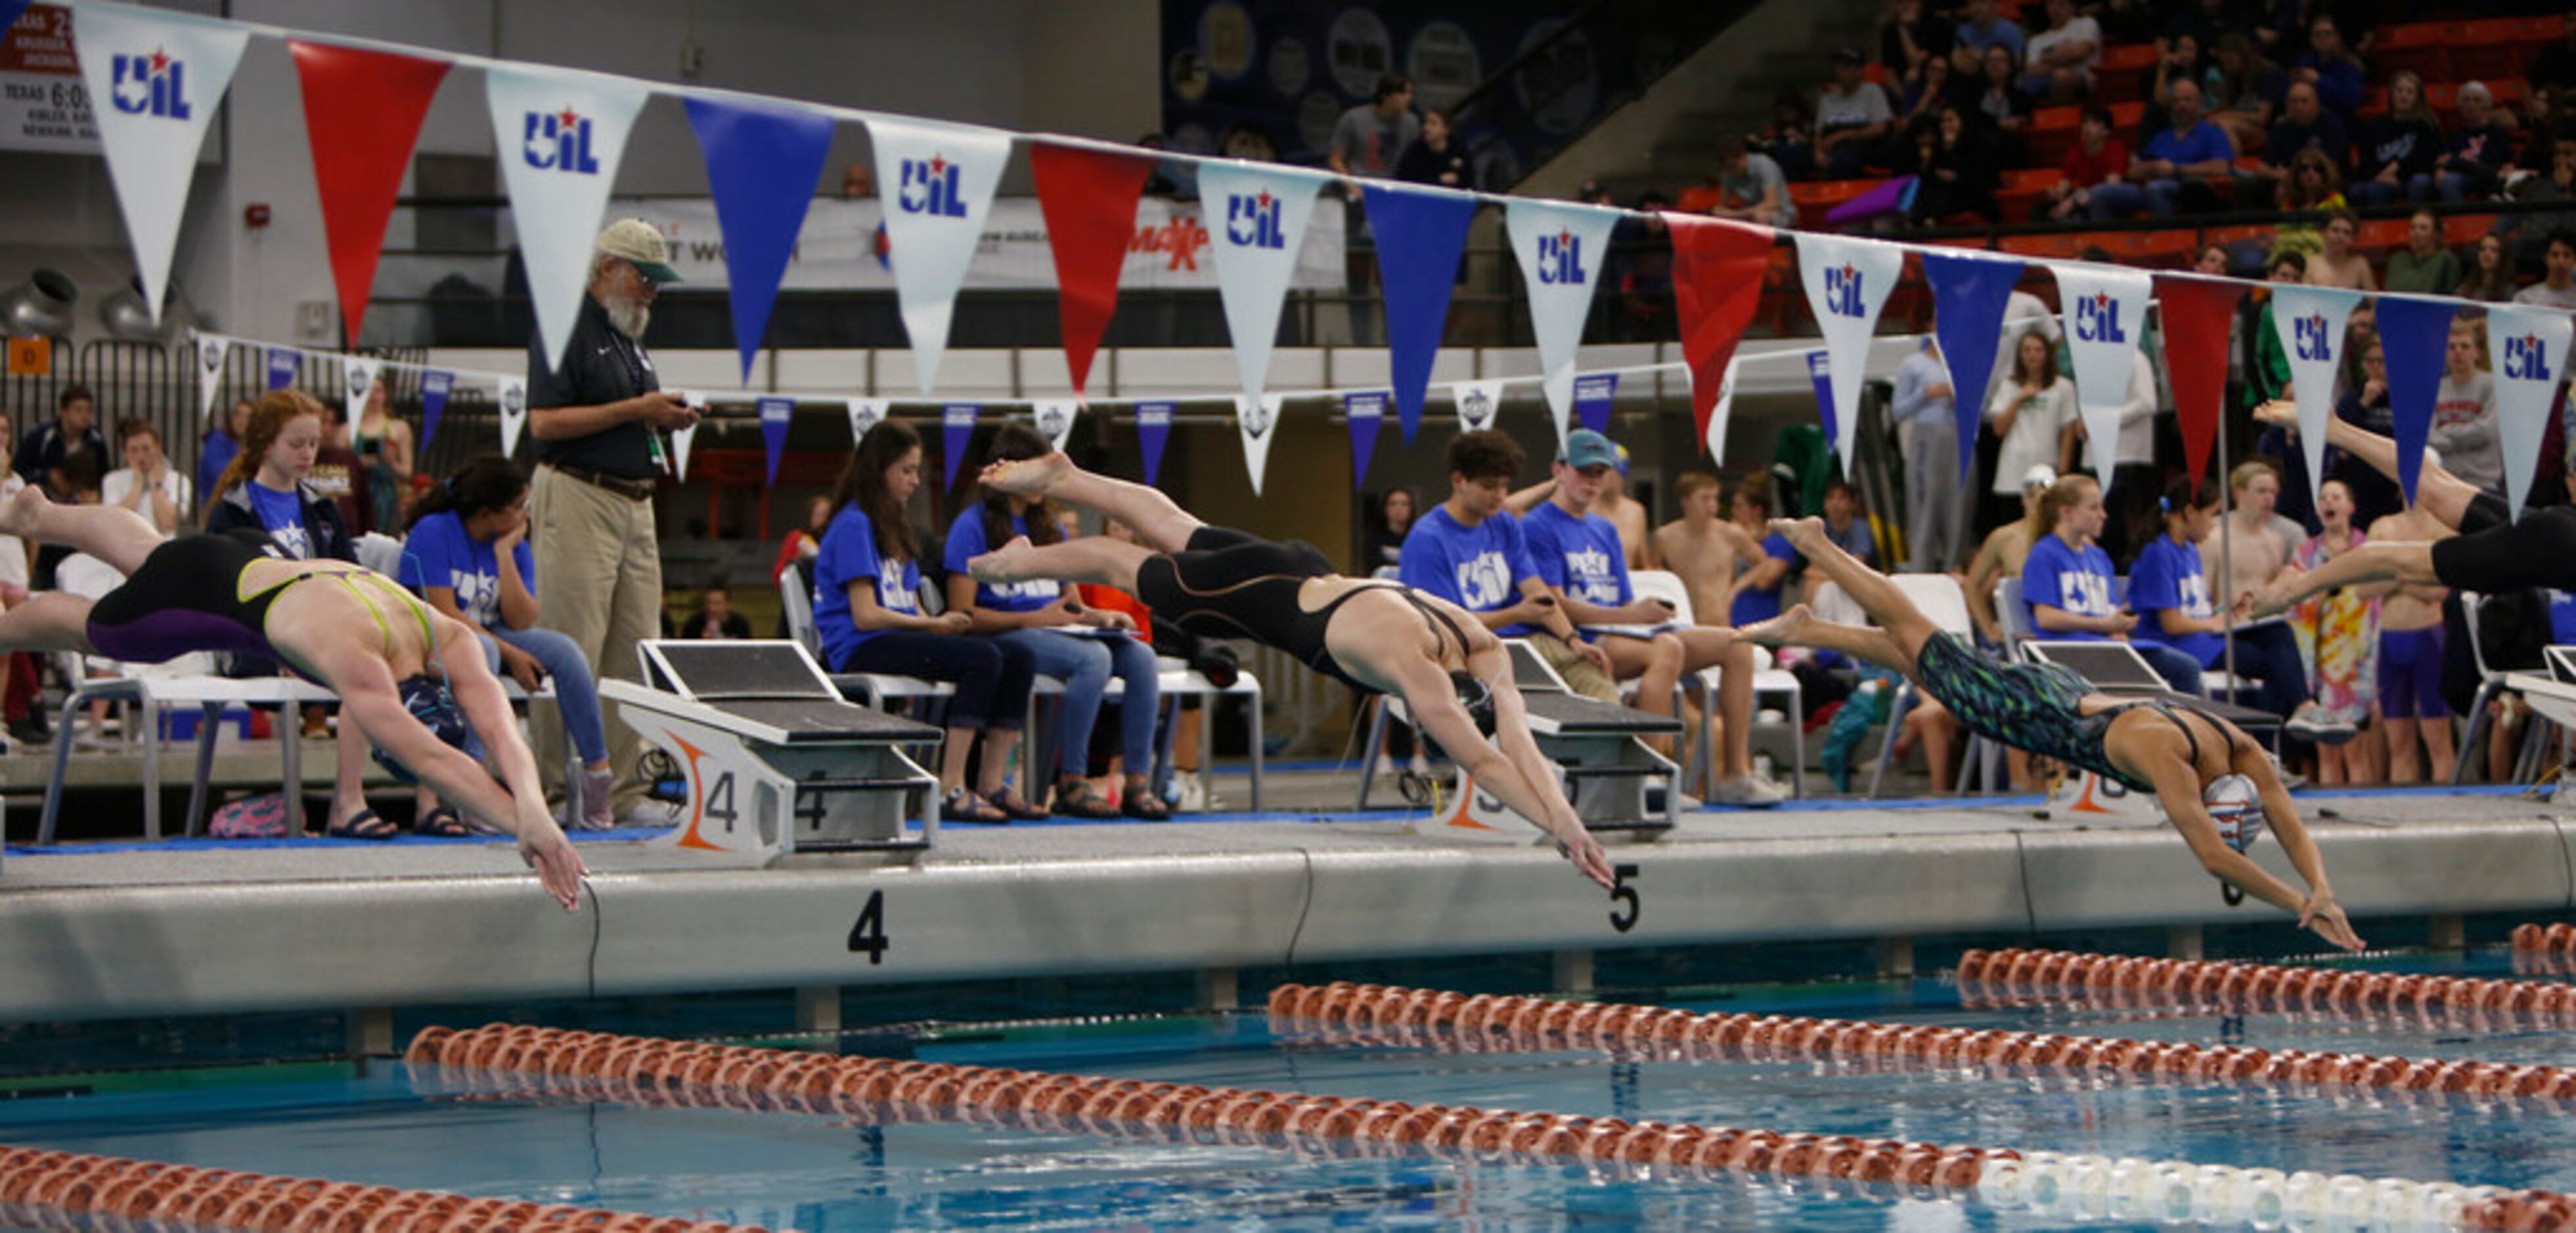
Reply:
x=410, y=680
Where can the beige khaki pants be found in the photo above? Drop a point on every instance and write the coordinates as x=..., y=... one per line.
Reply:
x=1581, y=675
x=599, y=583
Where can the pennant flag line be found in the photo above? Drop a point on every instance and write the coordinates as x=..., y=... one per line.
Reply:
x=1820, y=372
x=1266, y=208
x=2197, y=316
x=358, y=375
x=773, y=429
x=1420, y=237
x=1559, y=247
x=1054, y=418
x=1593, y=394
x=362, y=110
x=514, y=413
x=434, y=387
x=1255, y=419
x=211, y=353
x=1366, y=410
x=762, y=165
x=956, y=432
x=940, y=180
x=1088, y=199
x=2529, y=347
x=153, y=87
x=2310, y=323
x=283, y=362
x=1478, y=402
x=865, y=413
x=1153, y=431
x=1718, y=268
x=2106, y=316
x=1721, y=408
x=1968, y=297
x=2413, y=336
x=561, y=137
x=1847, y=281
x=684, y=441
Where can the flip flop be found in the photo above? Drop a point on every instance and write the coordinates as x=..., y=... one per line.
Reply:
x=1075, y=799
x=363, y=824
x=441, y=823
x=1009, y=801
x=1144, y=806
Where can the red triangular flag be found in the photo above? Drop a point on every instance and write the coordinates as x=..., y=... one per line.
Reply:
x=362, y=110
x=2197, y=317
x=1718, y=267
x=1089, y=200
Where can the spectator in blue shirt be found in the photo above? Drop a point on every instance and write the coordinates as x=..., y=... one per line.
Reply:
x=266, y=489
x=1578, y=555
x=1469, y=550
x=1983, y=27
x=2170, y=594
x=1049, y=623
x=2331, y=66
x=867, y=607
x=2192, y=149
x=2066, y=585
x=467, y=554
x=216, y=451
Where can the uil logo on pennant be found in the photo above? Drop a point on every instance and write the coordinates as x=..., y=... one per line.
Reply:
x=558, y=141
x=1560, y=259
x=1053, y=420
x=2310, y=333
x=210, y=356
x=1256, y=418
x=1474, y=407
x=930, y=187
x=153, y=85
x=2096, y=320
x=1253, y=222
x=1843, y=292
x=2525, y=359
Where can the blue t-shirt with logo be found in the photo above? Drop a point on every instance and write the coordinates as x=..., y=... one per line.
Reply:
x=283, y=514
x=1581, y=557
x=2063, y=577
x=849, y=551
x=967, y=541
x=2562, y=617
x=439, y=553
x=2168, y=575
x=1753, y=605
x=1478, y=568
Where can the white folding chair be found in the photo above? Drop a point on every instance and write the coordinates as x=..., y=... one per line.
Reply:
x=1939, y=598
x=2491, y=682
x=1768, y=681
x=876, y=689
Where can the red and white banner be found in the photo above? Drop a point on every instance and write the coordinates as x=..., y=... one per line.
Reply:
x=2106, y=315
x=1258, y=420
x=2529, y=348
x=560, y=135
x=938, y=185
x=2310, y=322
x=1560, y=247
x=155, y=84
x=1262, y=210
x=1847, y=284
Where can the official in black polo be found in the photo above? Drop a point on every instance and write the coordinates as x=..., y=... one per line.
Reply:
x=598, y=421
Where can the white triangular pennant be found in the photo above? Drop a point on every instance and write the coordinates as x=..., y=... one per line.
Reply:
x=938, y=184
x=1478, y=402
x=1054, y=418
x=1847, y=283
x=2310, y=322
x=358, y=374
x=865, y=413
x=2106, y=315
x=1258, y=420
x=1256, y=217
x=561, y=135
x=1560, y=247
x=211, y=351
x=682, y=441
x=1717, y=415
x=514, y=413
x=2529, y=347
x=153, y=86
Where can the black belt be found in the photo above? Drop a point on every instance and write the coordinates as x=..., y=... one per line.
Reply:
x=631, y=489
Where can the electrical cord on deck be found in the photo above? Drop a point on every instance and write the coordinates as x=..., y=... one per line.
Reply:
x=598, y=921
x=1299, y=933
x=2021, y=861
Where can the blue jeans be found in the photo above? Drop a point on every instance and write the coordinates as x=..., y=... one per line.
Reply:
x=1084, y=664
x=2179, y=670
x=576, y=693
x=2124, y=200
x=2269, y=654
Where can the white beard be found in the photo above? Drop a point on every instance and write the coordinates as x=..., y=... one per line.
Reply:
x=629, y=316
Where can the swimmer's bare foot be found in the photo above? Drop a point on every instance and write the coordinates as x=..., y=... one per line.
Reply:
x=21, y=513
x=1783, y=630
x=1006, y=563
x=1030, y=477
x=1807, y=535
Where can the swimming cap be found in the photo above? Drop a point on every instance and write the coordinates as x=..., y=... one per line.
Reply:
x=428, y=701
x=2237, y=807
x=1477, y=697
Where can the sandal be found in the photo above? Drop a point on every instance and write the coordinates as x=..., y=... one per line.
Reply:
x=961, y=805
x=441, y=823
x=1140, y=803
x=1009, y=801
x=1075, y=799
x=363, y=824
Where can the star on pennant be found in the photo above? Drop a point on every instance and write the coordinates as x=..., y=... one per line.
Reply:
x=160, y=60
x=2531, y=343
x=938, y=164
x=568, y=118
x=1565, y=238
x=2102, y=301
x=1849, y=273
x=1263, y=200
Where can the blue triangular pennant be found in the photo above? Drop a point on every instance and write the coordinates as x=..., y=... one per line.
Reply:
x=1968, y=295
x=1367, y=412
x=762, y=165
x=2414, y=338
x=774, y=413
x=1420, y=237
x=1153, y=431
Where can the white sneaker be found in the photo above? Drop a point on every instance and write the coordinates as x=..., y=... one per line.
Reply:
x=1418, y=764
x=2313, y=721
x=650, y=813
x=1747, y=792
x=1385, y=767
x=1194, y=791
x=597, y=788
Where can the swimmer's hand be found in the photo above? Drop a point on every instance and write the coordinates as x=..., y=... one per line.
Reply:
x=2321, y=913
x=558, y=866
x=1586, y=853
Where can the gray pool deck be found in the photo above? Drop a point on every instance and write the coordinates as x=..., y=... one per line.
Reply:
x=99, y=930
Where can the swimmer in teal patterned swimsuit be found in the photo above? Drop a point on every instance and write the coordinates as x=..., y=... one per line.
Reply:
x=2174, y=751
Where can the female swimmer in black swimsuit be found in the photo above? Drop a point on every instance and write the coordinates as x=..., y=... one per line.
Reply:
x=1376, y=635
x=350, y=629
x=2150, y=746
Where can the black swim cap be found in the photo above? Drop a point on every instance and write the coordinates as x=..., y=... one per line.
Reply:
x=429, y=701
x=1477, y=697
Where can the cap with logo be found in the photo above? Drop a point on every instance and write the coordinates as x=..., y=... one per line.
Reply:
x=1586, y=448
x=635, y=241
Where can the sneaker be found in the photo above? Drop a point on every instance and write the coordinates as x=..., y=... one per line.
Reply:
x=649, y=813
x=1385, y=767
x=597, y=811
x=2318, y=724
x=1747, y=792
x=28, y=730
x=1193, y=796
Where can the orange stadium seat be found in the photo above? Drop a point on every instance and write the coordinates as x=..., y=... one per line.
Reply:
x=2501, y=48
x=1817, y=198
x=2023, y=189
x=2423, y=46
x=2460, y=230
x=2126, y=58
x=2381, y=236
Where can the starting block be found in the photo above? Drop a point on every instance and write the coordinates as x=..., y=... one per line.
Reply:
x=1604, y=767
x=2553, y=696
x=2087, y=795
x=774, y=760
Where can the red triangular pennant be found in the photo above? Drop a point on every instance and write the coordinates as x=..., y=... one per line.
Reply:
x=2197, y=316
x=1089, y=200
x=362, y=110
x=1718, y=267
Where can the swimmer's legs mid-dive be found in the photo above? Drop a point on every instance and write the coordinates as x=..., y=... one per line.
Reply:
x=53, y=621
x=1902, y=628
x=1157, y=520
x=1095, y=559
x=112, y=533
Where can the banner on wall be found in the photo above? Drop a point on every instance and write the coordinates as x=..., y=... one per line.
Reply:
x=1257, y=420
x=561, y=136
x=2106, y=318
x=939, y=179
x=1265, y=209
x=1560, y=249
x=159, y=83
x=1153, y=432
x=1366, y=410
x=2529, y=347
x=44, y=107
x=2310, y=322
x=1847, y=282
x=843, y=246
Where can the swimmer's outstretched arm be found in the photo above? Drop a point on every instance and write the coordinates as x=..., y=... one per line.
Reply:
x=2178, y=787
x=1516, y=773
x=2443, y=495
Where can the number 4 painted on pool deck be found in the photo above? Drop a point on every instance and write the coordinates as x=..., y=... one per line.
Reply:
x=868, y=932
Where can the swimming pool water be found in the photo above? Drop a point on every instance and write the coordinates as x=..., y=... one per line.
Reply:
x=814, y=1173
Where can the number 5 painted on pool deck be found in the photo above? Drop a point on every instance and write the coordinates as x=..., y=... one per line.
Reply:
x=1622, y=892
x=868, y=932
